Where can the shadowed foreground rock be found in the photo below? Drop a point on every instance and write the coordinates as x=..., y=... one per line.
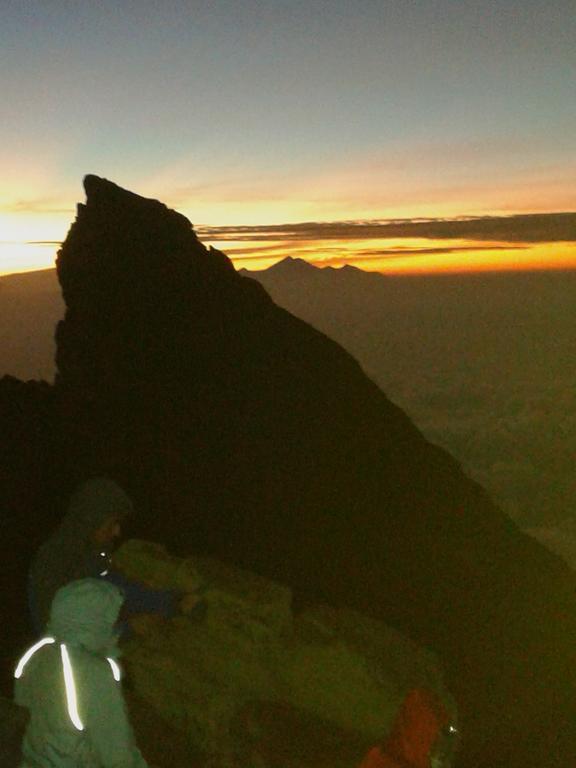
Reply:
x=13, y=722
x=246, y=435
x=325, y=676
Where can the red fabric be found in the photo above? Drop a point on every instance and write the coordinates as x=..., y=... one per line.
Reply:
x=375, y=759
x=417, y=726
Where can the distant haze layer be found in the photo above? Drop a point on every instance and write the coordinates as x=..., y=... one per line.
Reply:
x=484, y=364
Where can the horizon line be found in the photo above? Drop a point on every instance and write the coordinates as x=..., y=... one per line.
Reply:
x=423, y=272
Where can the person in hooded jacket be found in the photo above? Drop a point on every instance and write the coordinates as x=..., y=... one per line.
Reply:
x=82, y=547
x=69, y=682
x=422, y=736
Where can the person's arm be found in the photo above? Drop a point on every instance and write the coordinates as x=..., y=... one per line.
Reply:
x=139, y=598
x=106, y=720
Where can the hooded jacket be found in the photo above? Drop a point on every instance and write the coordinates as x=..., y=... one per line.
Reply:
x=70, y=552
x=94, y=732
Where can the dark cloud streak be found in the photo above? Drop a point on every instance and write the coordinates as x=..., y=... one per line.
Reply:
x=399, y=252
x=524, y=228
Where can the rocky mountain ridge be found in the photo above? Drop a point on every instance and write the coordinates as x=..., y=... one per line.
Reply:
x=244, y=434
x=482, y=363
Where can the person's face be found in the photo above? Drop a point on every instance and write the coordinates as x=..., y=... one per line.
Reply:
x=108, y=532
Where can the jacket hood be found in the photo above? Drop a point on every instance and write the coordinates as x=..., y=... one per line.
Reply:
x=69, y=553
x=90, y=505
x=84, y=613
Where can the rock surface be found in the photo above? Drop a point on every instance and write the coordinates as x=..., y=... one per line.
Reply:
x=28, y=453
x=13, y=721
x=245, y=435
x=218, y=679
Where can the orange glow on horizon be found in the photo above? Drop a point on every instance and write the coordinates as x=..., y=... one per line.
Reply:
x=17, y=257
x=29, y=241
x=547, y=256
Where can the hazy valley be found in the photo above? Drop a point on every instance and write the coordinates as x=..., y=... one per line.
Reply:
x=484, y=364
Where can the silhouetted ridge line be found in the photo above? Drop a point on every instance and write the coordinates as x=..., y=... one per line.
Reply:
x=244, y=433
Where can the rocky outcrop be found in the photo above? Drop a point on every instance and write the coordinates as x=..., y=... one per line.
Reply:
x=13, y=721
x=28, y=436
x=245, y=435
x=325, y=676
x=249, y=436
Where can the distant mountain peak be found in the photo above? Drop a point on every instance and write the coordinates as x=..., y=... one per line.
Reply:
x=293, y=269
x=292, y=265
x=295, y=266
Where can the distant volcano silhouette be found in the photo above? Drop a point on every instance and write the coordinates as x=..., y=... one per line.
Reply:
x=244, y=433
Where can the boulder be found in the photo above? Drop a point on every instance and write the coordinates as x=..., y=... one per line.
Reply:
x=322, y=674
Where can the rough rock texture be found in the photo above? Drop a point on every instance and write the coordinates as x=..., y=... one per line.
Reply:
x=27, y=441
x=13, y=721
x=163, y=745
x=246, y=435
x=218, y=679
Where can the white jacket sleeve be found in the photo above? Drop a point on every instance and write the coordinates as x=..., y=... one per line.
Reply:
x=106, y=721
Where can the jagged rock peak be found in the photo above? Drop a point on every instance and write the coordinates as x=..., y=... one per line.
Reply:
x=102, y=193
x=130, y=263
x=122, y=240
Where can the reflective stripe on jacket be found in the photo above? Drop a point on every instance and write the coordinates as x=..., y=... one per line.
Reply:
x=79, y=722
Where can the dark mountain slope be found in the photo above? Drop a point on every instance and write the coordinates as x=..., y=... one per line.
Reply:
x=483, y=363
x=243, y=432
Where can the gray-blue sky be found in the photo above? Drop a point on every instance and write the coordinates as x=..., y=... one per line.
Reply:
x=308, y=108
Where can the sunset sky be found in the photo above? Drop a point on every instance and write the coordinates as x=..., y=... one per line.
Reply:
x=334, y=131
